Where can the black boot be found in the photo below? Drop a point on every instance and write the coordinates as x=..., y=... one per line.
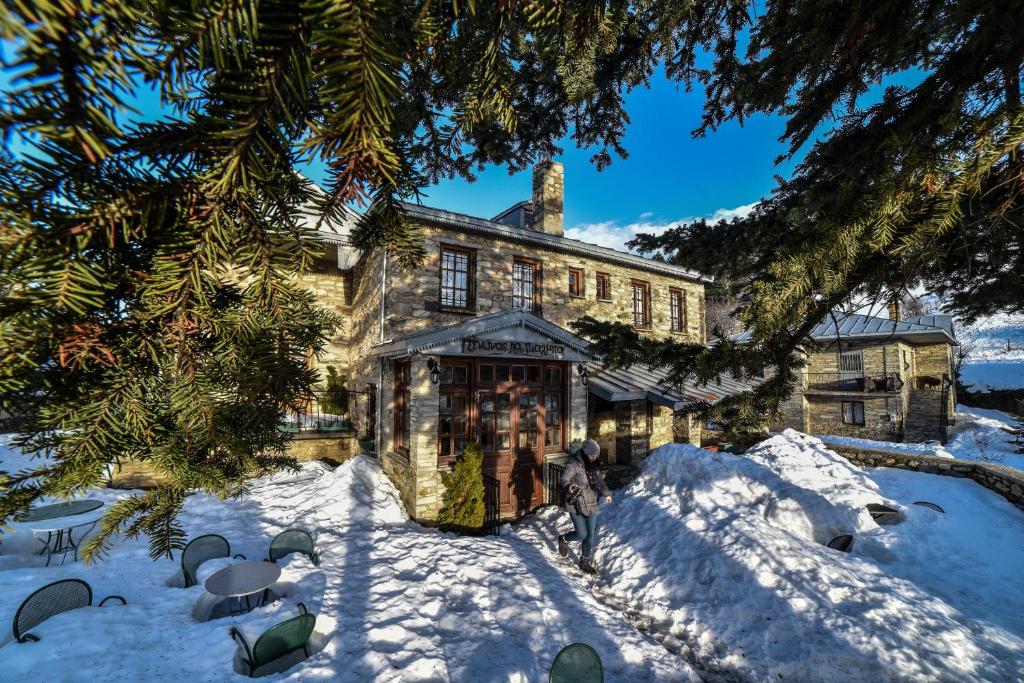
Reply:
x=586, y=566
x=563, y=547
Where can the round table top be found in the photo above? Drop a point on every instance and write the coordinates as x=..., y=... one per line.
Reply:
x=69, y=509
x=244, y=578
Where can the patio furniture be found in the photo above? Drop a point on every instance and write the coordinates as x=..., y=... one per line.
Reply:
x=200, y=550
x=60, y=535
x=278, y=640
x=243, y=580
x=842, y=543
x=577, y=663
x=293, y=541
x=51, y=599
x=883, y=514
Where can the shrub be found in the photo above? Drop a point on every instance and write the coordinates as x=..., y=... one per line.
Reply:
x=462, y=506
x=334, y=400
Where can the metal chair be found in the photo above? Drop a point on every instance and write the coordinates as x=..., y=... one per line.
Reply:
x=278, y=640
x=577, y=663
x=842, y=543
x=293, y=541
x=51, y=599
x=200, y=550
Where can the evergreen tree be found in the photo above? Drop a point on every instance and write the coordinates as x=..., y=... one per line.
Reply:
x=462, y=505
x=921, y=187
x=147, y=267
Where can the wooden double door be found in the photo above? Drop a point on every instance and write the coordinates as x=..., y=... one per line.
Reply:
x=516, y=421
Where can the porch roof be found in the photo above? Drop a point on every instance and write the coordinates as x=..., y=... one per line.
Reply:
x=638, y=383
x=436, y=339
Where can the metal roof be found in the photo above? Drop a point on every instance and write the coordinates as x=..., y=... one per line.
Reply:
x=856, y=326
x=640, y=382
x=480, y=226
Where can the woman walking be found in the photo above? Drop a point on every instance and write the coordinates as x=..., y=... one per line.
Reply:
x=583, y=486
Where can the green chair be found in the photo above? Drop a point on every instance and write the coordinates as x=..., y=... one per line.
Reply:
x=293, y=541
x=577, y=663
x=201, y=549
x=51, y=599
x=278, y=640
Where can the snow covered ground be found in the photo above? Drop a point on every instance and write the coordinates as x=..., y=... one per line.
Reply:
x=977, y=435
x=990, y=365
x=394, y=601
x=723, y=556
x=713, y=560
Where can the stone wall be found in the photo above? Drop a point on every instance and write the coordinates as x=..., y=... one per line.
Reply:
x=330, y=285
x=413, y=296
x=133, y=474
x=825, y=416
x=1006, y=481
x=662, y=431
x=916, y=415
x=686, y=429
x=332, y=448
x=601, y=427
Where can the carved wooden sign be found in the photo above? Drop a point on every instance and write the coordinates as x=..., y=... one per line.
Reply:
x=506, y=347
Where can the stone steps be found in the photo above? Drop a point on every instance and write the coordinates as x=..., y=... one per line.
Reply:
x=924, y=411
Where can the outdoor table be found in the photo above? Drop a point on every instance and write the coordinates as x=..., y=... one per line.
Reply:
x=59, y=536
x=243, y=580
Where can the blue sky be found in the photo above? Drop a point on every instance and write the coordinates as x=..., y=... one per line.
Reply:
x=668, y=176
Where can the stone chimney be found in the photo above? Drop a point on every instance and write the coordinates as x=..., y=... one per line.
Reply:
x=894, y=309
x=548, y=193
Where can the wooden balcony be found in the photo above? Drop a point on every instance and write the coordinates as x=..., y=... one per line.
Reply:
x=843, y=383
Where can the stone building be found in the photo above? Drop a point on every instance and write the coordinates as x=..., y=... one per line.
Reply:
x=474, y=345
x=887, y=379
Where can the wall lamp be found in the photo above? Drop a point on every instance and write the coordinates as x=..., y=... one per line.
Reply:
x=584, y=374
x=435, y=370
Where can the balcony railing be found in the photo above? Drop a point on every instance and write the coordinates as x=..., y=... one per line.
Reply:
x=836, y=381
x=338, y=411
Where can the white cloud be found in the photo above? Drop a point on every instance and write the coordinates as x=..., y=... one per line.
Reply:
x=611, y=234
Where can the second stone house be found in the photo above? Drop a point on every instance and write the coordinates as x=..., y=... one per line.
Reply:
x=888, y=379
x=475, y=345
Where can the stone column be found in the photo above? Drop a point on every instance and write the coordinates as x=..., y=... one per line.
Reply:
x=423, y=441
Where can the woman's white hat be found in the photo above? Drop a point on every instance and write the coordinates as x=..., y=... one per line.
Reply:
x=591, y=448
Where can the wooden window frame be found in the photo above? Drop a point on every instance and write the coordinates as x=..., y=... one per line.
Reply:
x=542, y=387
x=403, y=397
x=581, y=287
x=605, y=288
x=677, y=310
x=538, y=277
x=645, y=287
x=853, y=413
x=470, y=279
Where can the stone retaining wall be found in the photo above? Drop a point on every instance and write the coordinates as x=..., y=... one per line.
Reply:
x=1006, y=481
x=334, y=448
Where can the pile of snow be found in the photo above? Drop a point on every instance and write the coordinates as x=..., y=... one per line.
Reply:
x=394, y=601
x=723, y=555
x=978, y=434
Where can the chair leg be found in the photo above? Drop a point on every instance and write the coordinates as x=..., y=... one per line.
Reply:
x=305, y=648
